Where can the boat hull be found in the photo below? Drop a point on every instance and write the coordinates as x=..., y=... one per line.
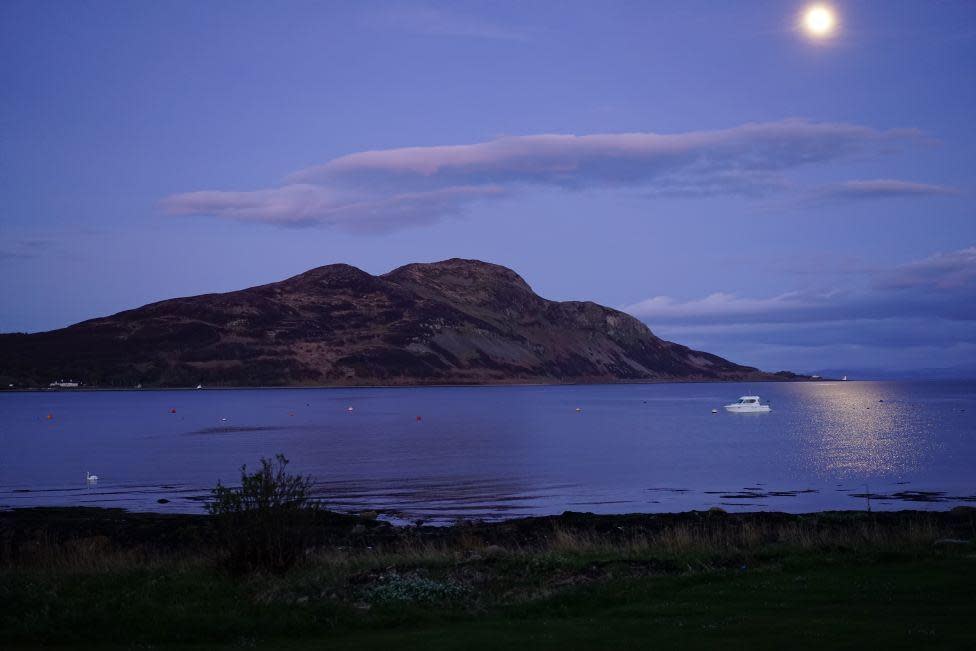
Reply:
x=747, y=409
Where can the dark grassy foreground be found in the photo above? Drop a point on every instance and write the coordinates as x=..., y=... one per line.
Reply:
x=96, y=577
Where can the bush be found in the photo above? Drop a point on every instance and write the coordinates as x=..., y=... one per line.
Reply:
x=263, y=524
x=413, y=589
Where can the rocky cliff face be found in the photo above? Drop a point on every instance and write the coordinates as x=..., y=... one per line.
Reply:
x=450, y=322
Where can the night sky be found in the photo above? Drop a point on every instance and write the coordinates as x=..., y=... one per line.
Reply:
x=787, y=200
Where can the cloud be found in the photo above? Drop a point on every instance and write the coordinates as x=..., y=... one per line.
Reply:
x=27, y=248
x=294, y=205
x=942, y=285
x=885, y=333
x=722, y=307
x=880, y=189
x=614, y=159
x=942, y=272
x=927, y=358
x=808, y=306
x=423, y=184
x=925, y=304
x=305, y=205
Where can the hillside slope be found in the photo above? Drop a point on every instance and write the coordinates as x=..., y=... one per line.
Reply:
x=451, y=322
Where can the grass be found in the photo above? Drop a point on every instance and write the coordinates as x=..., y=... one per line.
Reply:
x=580, y=582
x=812, y=607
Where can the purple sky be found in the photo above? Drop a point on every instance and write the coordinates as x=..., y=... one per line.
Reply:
x=706, y=166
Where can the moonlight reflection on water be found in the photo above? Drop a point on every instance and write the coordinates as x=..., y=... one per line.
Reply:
x=868, y=430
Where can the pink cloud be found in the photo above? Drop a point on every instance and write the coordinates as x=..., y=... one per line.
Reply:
x=303, y=205
x=388, y=189
x=613, y=158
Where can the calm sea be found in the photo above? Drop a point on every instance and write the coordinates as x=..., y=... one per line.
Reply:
x=440, y=454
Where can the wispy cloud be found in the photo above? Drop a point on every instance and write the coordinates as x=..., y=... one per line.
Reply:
x=879, y=189
x=722, y=307
x=26, y=248
x=616, y=158
x=423, y=184
x=306, y=205
x=940, y=286
x=943, y=272
x=928, y=303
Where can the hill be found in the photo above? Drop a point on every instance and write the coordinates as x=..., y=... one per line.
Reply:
x=450, y=322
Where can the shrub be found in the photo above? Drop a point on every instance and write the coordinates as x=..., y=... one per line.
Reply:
x=412, y=588
x=263, y=524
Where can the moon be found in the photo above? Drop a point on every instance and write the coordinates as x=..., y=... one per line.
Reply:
x=819, y=21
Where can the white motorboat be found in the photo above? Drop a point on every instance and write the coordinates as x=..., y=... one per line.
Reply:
x=747, y=404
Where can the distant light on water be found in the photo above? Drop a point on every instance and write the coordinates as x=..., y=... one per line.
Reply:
x=864, y=432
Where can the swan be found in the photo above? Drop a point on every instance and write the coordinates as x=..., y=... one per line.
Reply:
x=90, y=477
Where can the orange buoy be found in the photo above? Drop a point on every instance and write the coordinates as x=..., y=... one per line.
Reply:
x=50, y=416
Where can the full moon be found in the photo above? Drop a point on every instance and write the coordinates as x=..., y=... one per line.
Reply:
x=819, y=21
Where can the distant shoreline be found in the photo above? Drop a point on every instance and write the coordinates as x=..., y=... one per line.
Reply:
x=66, y=517
x=420, y=386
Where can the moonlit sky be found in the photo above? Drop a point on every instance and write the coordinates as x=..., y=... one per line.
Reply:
x=784, y=201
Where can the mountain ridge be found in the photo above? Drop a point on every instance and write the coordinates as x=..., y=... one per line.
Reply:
x=455, y=321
